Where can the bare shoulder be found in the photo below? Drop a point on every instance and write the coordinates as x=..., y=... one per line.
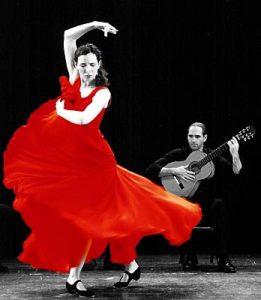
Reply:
x=103, y=95
x=104, y=92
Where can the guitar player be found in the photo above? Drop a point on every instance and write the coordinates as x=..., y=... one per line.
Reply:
x=208, y=194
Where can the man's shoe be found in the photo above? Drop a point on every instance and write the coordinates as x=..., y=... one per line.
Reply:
x=225, y=265
x=3, y=269
x=190, y=262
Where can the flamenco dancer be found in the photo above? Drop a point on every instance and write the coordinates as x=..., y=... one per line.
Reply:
x=55, y=165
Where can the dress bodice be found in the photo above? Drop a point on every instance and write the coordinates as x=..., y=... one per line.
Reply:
x=74, y=101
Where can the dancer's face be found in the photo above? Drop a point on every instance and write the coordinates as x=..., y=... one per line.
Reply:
x=88, y=67
x=196, y=139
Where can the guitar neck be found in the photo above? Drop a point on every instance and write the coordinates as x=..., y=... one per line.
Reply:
x=214, y=154
x=244, y=135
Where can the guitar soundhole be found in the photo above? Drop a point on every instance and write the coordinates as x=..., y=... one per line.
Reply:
x=194, y=167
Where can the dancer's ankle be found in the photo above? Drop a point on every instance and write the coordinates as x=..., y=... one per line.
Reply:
x=71, y=279
x=132, y=267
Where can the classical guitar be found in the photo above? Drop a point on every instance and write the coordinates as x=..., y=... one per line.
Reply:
x=200, y=163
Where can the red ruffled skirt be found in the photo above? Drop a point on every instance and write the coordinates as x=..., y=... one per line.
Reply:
x=69, y=190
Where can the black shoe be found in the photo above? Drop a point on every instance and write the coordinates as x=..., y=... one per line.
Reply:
x=190, y=262
x=225, y=265
x=3, y=269
x=135, y=275
x=72, y=289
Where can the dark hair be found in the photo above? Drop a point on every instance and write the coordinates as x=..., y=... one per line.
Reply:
x=201, y=125
x=101, y=78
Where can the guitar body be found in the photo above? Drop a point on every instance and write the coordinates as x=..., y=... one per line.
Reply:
x=188, y=189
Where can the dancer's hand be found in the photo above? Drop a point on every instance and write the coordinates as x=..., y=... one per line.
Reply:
x=59, y=106
x=105, y=27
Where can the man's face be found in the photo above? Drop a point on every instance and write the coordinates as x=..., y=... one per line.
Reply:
x=196, y=139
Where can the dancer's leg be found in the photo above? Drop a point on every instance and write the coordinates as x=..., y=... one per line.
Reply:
x=75, y=272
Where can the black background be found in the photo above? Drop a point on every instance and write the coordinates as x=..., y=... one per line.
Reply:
x=171, y=63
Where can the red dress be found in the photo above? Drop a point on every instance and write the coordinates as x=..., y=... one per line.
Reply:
x=69, y=189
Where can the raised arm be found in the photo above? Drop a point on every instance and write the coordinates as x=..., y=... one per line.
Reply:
x=72, y=35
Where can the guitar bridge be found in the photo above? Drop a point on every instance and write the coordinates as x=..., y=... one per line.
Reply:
x=179, y=182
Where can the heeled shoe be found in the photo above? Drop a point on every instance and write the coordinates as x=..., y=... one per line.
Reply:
x=72, y=289
x=135, y=275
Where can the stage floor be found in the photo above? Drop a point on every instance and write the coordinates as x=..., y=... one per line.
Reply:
x=161, y=278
